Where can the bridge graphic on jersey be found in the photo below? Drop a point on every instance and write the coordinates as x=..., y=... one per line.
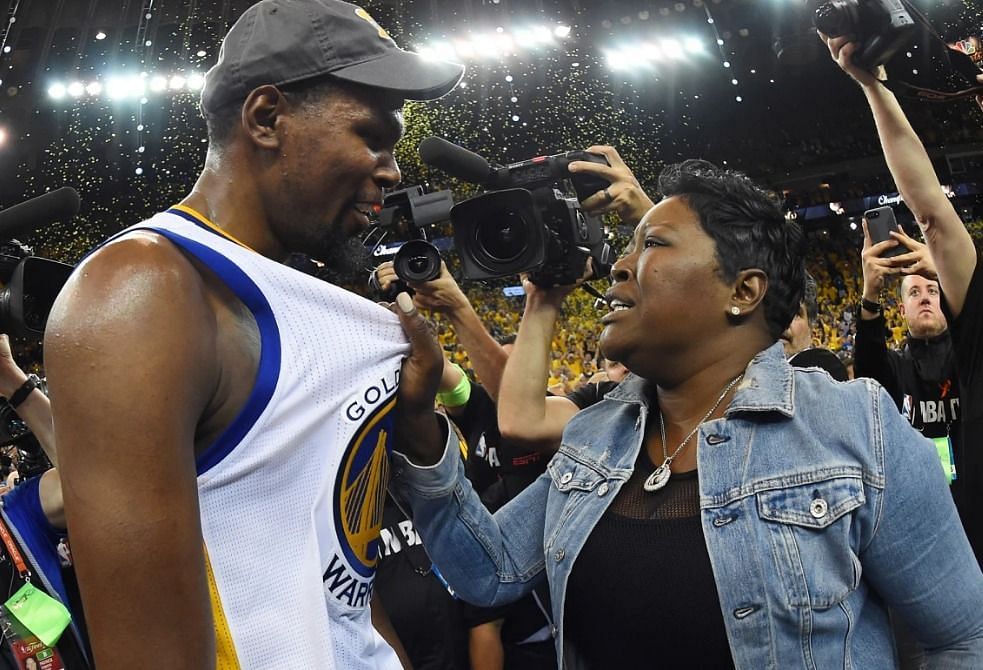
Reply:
x=360, y=491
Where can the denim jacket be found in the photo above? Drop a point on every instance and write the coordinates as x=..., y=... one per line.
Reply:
x=821, y=507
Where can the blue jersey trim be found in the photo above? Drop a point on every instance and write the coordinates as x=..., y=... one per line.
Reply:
x=269, y=361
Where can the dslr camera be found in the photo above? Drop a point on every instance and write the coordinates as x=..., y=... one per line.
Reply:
x=408, y=213
x=530, y=219
x=880, y=27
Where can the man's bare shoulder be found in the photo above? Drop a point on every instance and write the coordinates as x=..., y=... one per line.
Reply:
x=138, y=311
x=141, y=269
x=139, y=285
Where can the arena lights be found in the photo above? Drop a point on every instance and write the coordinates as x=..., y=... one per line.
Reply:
x=494, y=45
x=132, y=87
x=646, y=54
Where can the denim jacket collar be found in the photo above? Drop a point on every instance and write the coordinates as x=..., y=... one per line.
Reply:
x=768, y=386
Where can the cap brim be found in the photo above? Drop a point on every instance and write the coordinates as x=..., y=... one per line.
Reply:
x=406, y=73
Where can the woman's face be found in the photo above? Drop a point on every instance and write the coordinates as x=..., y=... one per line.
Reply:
x=667, y=292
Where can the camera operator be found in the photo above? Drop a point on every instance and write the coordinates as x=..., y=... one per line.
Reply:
x=525, y=413
x=517, y=635
x=34, y=515
x=956, y=260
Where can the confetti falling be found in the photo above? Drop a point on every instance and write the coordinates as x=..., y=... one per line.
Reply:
x=734, y=103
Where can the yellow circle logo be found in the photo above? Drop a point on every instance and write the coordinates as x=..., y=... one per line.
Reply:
x=360, y=490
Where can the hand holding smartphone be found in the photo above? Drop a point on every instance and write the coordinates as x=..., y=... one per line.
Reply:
x=880, y=223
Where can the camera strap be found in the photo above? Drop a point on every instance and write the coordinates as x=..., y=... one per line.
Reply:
x=958, y=61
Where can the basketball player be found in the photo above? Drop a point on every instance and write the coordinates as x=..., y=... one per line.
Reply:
x=223, y=421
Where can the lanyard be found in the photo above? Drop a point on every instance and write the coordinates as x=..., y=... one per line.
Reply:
x=14, y=552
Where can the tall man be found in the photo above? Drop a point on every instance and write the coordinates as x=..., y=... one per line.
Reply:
x=959, y=270
x=223, y=421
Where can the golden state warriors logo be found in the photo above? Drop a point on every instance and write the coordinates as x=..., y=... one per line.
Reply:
x=362, y=14
x=360, y=491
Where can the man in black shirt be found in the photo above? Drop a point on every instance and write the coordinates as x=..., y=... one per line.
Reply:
x=955, y=257
x=921, y=377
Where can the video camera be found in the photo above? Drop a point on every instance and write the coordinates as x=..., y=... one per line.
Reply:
x=529, y=221
x=881, y=27
x=31, y=284
x=408, y=213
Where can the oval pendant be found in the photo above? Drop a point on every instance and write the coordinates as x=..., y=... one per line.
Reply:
x=658, y=479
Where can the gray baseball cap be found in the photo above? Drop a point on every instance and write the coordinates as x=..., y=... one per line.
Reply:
x=285, y=41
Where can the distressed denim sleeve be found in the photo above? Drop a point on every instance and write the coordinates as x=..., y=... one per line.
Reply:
x=487, y=559
x=918, y=558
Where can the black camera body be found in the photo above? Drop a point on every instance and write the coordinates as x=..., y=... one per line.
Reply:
x=880, y=27
x=408, y=212
x=31, y=286
x=532, y=222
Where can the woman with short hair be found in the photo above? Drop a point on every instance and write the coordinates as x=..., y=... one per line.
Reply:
x=720, y=508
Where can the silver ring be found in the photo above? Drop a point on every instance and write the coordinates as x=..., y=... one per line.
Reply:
x=608, y=195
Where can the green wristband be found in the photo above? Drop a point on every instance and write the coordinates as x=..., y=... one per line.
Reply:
x=459, y=395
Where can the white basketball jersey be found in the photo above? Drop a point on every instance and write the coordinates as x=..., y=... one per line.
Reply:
x=292, y=493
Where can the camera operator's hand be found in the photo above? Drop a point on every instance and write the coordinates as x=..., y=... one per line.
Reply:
x=537, y=296
x=842, y=49
x=418, y=431
x=384, y=277
x=875, y=268
x=441, y=294
x=11, y=376
x=624, y=196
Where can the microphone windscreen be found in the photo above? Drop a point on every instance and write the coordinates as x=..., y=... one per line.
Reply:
x=454, y=160
x=26, y=217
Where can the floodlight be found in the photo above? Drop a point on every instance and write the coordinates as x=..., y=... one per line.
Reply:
x=57, y=91
x=693, y=45
x=195, y=82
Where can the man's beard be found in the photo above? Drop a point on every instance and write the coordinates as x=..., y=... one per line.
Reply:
x=344, y=263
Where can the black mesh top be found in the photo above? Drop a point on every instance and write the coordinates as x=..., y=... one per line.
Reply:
x=641, y=593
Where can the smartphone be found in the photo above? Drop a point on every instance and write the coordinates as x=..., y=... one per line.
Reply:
x=880, y=223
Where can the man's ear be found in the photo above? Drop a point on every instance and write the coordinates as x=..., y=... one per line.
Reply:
x=261, y=112
x=750, y=287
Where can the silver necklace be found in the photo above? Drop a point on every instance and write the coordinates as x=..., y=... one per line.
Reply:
x=660, y=476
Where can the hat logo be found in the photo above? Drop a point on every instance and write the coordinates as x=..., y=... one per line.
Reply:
x=362, y=14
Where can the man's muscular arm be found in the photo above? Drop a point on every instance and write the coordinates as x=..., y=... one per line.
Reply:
x=131, y=361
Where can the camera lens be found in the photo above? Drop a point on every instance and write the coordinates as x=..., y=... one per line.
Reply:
x=837, y=17
x=502, y=238
x=417, y=260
